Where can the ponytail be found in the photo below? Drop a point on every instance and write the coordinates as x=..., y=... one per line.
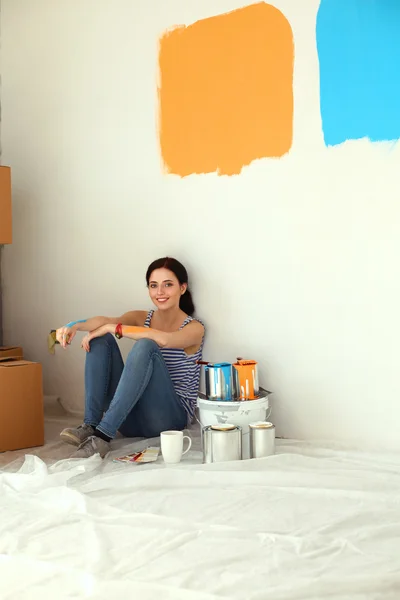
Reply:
x=186, y=303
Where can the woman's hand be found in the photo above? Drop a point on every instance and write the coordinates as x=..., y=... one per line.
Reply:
x=109, y=328
x=65, y=335
x=86, y=342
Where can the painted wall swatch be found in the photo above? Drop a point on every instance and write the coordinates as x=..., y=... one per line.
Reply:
x=358, y=45
x=226, y=91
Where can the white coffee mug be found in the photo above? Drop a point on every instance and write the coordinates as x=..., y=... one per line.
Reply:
x=172, y=446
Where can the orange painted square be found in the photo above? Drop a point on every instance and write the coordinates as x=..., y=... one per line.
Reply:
x=226, y=91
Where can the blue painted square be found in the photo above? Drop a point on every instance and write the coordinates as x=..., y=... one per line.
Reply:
x=358, y=44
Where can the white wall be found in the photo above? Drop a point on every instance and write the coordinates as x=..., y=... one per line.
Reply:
x=294, y=262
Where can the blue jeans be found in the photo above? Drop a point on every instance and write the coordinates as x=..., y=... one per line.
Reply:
x=137, y=399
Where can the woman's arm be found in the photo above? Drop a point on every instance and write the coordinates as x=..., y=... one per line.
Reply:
x=66, y=334
x=189, y=336
x=132, y=318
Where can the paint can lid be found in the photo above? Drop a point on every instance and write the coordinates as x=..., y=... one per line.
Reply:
x=261, y=425
x=223, y=427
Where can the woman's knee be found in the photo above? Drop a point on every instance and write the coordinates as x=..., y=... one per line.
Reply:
x=103, y=341
x=143, y=347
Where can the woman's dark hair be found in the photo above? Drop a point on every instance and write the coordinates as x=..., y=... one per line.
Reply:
x=186, y=302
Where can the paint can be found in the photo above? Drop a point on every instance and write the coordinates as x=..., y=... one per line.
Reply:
x=245, y=380
x=218, y=378
x=262, y=439
x=222, y=443
x=241, y=413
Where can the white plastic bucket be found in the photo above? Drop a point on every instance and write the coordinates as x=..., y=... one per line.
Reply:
x=214, y=412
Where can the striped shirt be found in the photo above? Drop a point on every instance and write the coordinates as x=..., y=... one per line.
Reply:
x=183, y=369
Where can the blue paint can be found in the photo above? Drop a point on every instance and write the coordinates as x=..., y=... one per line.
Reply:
x=219, y=381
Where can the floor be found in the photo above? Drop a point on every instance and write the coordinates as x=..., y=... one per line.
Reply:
x=313, y=522
x=54, y=450
x=326, y=514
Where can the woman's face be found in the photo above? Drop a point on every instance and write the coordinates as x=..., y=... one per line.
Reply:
x=165, y=289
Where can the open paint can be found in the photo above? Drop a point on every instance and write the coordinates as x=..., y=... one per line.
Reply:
x=214, y=412
x=262, y=439
x=245, y=380
x=218, y=377
x=221, y=443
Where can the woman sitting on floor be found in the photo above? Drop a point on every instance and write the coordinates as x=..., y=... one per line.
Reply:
x=156, y=390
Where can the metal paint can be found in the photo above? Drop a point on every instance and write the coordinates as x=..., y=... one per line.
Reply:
x=245, y=380
x=262, y=439
x=241, y=413
x=222, y=443
x=218, y=378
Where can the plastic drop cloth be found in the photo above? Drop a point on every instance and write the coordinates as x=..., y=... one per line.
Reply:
x=311, y=522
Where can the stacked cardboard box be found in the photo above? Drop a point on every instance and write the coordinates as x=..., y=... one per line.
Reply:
x=21, y=393
x=5, y=206
x=21, y=401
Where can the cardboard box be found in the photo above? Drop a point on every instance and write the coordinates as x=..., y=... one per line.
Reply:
x=5, y=206
x=7, y=352
x=21, y=405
